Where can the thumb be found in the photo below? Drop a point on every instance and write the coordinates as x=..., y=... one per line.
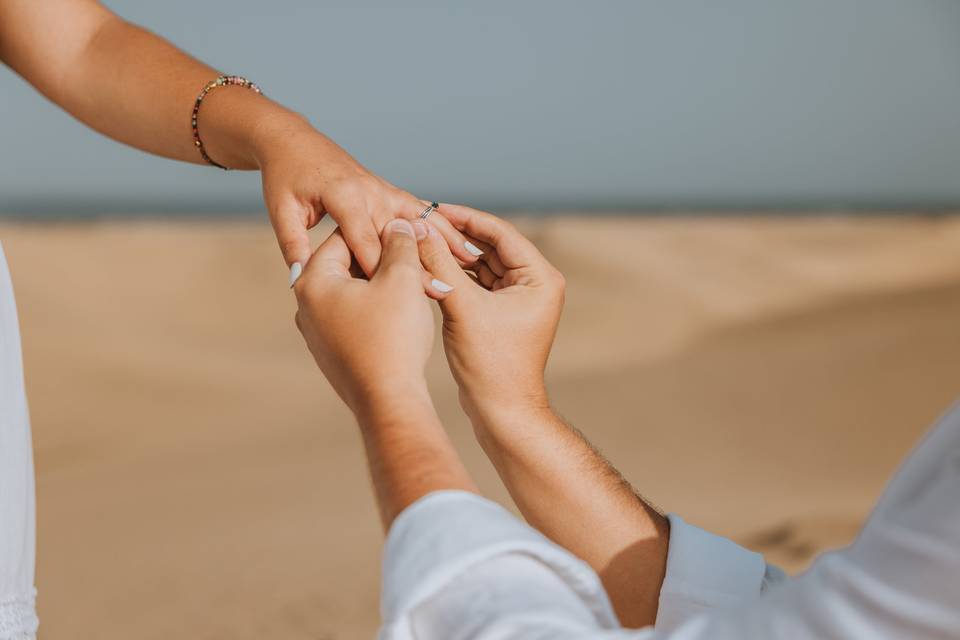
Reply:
x=399, y=258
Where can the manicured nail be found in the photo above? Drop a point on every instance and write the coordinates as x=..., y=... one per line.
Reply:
x=473, y=249
x=295, y=270
x=420, y=230
x=399, y=225
x=441, y=286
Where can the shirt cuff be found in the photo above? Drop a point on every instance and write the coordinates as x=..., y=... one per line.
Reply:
x=445, y=533
x=705, y=571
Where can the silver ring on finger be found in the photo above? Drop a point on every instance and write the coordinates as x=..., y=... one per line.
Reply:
x=430, y=209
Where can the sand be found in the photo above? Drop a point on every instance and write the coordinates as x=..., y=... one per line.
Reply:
x=198, y=478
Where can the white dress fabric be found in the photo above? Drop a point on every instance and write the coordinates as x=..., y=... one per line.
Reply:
x=459, y=567
x=18, y=618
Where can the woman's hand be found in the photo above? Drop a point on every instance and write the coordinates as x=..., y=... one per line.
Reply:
x=306, y=175
x=371, y=338
x=91, y=62
x=497, y=336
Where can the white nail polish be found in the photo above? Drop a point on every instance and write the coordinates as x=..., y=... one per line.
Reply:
x=295, y=270
x=441, y=286
x=472, y=248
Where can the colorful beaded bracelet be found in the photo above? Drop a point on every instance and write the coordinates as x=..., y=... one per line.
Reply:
x=222, y=81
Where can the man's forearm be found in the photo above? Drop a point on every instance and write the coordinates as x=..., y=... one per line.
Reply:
x=132, y=85
x=568, y=491
x=408, y=451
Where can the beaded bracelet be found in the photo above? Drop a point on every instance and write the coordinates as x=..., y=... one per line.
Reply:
x=222, y=81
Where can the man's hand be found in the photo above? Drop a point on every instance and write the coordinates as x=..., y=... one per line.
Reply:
x=371, y=338
x=497, y=336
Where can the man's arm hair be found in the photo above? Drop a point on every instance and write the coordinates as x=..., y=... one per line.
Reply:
x=409, y=454
x=568, y=490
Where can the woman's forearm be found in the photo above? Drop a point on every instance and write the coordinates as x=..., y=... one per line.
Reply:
x=134, y=86
x=137, y=88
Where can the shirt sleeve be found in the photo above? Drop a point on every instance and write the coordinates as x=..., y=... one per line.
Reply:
x=18, y=617
x=458, y=567
x=452, y=536
x=706, y=571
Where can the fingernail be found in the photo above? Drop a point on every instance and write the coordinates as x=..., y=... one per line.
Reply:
x=441, y=286
x=295, y=270
x=399, y=225
x=420, y=230
x=473, y=249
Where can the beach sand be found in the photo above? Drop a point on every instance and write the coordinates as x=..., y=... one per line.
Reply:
x=198, y=478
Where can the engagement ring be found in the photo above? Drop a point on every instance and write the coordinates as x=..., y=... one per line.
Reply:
x=426, y=212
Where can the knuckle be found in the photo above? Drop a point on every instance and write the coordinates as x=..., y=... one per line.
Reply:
x=438, y=260
x=500, y=224
x=348, y=188
x=502, y=230
x=404, y=201
x=431, y=252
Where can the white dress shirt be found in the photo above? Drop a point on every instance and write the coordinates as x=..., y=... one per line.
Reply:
x=459, y=567
x=18, y=620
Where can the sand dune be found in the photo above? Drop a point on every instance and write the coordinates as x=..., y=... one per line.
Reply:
x=197, y=476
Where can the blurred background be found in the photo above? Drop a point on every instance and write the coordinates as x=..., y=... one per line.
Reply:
x=551, y=105
x=754, y=204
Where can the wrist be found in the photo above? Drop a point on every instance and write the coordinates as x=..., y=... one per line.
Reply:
x=275, y=129
x=382, y=404
x=496, y=411
x=283, y=134
x=233, y=120
x=510, y=430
